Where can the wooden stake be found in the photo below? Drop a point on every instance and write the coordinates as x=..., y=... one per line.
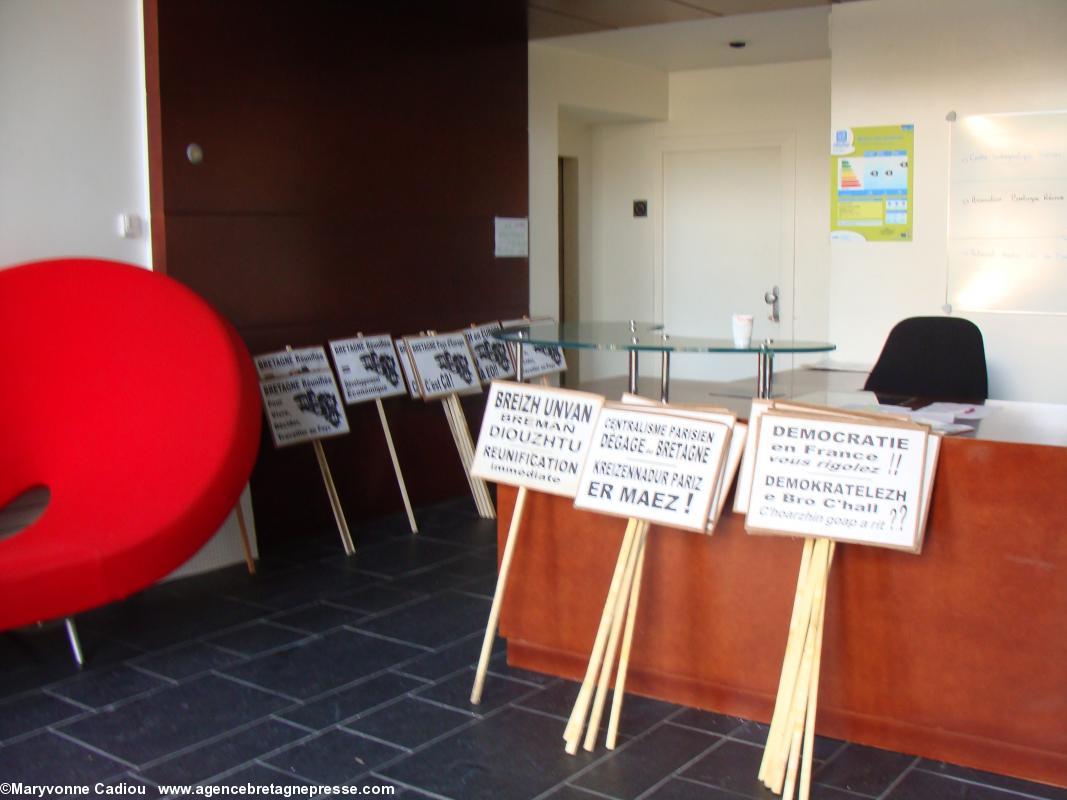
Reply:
x=396, y=465
x=246, y=545
x=498, y=597
x=468, y=444
x=619, y=615
x=462, y=458
x=789, y=662
x=813, y=691
x=335, y=501
x=573, y=732
x=627, y=641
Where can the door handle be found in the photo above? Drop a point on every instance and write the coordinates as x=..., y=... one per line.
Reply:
x=771, y=299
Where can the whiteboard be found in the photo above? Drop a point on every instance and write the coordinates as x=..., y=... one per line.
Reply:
x=1007, y=238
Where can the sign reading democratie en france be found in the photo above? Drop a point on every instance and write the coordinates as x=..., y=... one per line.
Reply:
x=535, y=436
x=300, y=396
x=443, y=365
x=842, y=478
x=368, y=368
x=646, y=464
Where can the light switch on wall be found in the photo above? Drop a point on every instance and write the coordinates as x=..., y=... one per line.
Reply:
x=130, y=226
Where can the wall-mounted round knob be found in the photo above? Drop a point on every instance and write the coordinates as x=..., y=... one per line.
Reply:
x=195, y=153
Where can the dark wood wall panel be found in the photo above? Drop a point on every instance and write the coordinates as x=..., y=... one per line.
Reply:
x=354, y=158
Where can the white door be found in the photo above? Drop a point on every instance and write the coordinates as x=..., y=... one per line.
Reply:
x=726, y=242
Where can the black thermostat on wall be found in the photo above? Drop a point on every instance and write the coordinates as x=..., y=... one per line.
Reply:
x=640, y=208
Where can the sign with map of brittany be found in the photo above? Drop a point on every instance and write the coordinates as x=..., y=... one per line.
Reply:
x=443, y=365
x=300, y=396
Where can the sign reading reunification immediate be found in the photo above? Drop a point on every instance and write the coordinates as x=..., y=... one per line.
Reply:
x=300, y=396
x=647, y=464
x=443, y=365
x=368, y=368
x=842, y=479
x=535, y=436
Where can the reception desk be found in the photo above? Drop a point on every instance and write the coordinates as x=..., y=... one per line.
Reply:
x=957, y=654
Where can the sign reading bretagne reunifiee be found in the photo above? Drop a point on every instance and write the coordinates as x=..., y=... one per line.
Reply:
x=302, y=403
x=443, y=365
x=845, y=479
x=368, y=367
x=647, y=464
x=535, y=436
x=491, y=355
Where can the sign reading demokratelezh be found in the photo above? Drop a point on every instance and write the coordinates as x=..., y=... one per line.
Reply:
x=443, y=365
x=303, y=407
x=538, y=359
x=647, y=464
x=842, y=479
x=535, y=436
x=368, y=367
x=491, y=355
x=291, y=362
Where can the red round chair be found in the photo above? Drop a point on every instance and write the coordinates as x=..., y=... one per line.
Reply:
x=137, y=406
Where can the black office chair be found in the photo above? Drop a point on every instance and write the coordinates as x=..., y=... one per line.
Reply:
x=942, y=357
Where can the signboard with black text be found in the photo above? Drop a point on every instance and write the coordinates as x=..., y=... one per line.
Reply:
x=303, y=407
x=492, y=356
x=368, y=368
x=443, y=365
x=407, y=369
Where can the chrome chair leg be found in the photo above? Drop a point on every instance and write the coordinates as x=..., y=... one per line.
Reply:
x=75, y=645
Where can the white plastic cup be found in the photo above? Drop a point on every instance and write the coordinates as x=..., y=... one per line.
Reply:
x=741, y=325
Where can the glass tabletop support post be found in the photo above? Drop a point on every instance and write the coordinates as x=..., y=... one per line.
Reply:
x=764, y=373
x=665, y=376
x=633, y=372
x=518, y=359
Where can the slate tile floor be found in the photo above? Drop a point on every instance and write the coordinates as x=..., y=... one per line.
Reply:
x=326, y=670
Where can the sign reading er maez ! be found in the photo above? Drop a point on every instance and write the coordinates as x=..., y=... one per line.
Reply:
x=843, y=479
x=652, y=465
x=535, y=436
x=300, y=396
x=368, y=367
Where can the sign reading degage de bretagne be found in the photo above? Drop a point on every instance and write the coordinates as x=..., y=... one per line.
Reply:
x=647, y=464
x=535, y=436
x=841, y=479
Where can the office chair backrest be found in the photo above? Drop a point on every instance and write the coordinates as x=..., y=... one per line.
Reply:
x=942, y=357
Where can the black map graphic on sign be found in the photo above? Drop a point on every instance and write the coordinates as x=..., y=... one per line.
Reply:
x=493, y=351
x=456, y=364
x=552, y=352
x=321, y=405
x=383, y=365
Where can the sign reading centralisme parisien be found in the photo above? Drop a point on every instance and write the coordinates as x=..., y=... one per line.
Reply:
x=443, y=365
x=491, y=355
x=535, y=436
x=654, y=466
x=843, y=479
x=368, y=368
x=300, y=396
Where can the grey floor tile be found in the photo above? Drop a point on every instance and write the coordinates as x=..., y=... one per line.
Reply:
x=642, y=764
x=400, y=556
x=374, y=599
x=456, y=692
x=451, y=658
x=638, y=713
x=434, y=621
x=409, y=722
x=21, y=715
x=46, y=759
x=221, y=755
x=318, y=617
x=679, y=789
x=918, y=785
x=342, y=705
x=514, y=754
x=708, y=721
x=102, y=687
x=187, y=660
x=259, y=775
x=322, y=665
x=991, y=779
x=863, y=770
x=257, y=637
x=733, y=767
x=335, y=757
x=146, y=729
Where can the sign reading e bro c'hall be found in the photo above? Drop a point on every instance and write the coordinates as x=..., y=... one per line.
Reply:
x=840, y=478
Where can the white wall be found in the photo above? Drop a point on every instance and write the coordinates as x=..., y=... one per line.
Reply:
x=72, y=129
x=73, y=150
x=912, y=61
x=787, y=101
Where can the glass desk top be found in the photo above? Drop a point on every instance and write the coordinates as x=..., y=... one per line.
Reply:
x=643, y=336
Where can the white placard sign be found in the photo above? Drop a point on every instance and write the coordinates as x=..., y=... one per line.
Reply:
x=538, y=359
x=840, y=479
x=535, y=436
x=408, y=370
x=492, y=356
x=368, y=368
x=443, y=365
x=647, y=464
x=291, y=362
x=303, y=407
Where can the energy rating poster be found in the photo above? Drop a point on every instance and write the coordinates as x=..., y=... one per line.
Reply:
x=871, y=184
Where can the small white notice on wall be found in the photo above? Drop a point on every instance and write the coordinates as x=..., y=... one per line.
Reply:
x=511, y=236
